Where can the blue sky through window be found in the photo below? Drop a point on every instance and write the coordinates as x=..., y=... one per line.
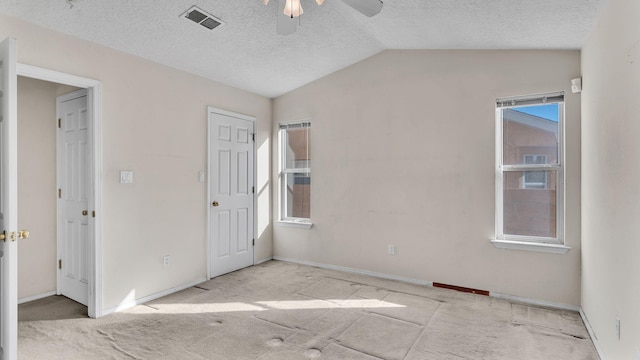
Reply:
x=547, y=111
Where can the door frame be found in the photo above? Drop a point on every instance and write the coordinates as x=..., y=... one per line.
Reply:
x=214, y=110
x=95, y=183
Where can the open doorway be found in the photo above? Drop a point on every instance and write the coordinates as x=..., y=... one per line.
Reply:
x=37, y=176
x=40, y=94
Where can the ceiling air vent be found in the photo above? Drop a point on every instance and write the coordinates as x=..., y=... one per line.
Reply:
x=201, y=17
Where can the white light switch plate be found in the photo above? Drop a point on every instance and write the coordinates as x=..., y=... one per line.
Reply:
x=126, y=177
x=201, y=176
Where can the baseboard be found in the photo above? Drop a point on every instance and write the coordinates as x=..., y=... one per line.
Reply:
x=535, y=302
x=35, y=297
x=129, y=304
x=592, y=334
x=263, y=260
x=355, y=271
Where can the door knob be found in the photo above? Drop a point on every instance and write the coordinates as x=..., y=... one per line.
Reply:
x=23, y=234
x=215, y=203
x=3, y=236
x=85, y=212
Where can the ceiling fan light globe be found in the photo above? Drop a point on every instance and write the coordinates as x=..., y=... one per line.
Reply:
x=293, y=8
x=318, y=1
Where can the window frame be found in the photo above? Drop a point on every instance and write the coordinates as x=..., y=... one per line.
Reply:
x=530, y=184
x=530, y=242
x=284, y=171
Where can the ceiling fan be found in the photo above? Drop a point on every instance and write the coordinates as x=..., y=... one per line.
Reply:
x=289, y=10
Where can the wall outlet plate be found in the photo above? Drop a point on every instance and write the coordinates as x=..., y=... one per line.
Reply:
x=166, y=260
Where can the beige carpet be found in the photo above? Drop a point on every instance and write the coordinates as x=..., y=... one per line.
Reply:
x=283, y=311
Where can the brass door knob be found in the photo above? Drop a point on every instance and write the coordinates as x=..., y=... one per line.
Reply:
x=23, y=234
x=3, y=236
x=85, y=212
x=215, y=203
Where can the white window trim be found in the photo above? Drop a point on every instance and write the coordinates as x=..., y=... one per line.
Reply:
x=530, y=243
x=304, y=223
x=299, y=223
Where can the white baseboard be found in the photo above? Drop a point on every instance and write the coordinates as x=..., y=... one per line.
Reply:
x=355, y=271
x=592, y=334
x=263, y=260
x=35, y=297
x=535, y=302
x=131, y=303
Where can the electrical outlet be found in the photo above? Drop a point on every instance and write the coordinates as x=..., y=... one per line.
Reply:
x=618, y=328
x=392, y=249
x=166, y=260
x=201, y=176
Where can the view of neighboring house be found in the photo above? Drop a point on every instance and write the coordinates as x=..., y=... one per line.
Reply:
x=298, y=184
x=529, y=196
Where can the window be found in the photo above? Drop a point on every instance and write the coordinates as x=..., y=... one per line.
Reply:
x=535, y=179
x=530, y=169
x=295, y=176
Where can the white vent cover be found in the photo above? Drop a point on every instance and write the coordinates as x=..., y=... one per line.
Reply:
x=201, y=17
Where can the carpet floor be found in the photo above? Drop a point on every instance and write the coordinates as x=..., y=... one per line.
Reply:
x=284, y=311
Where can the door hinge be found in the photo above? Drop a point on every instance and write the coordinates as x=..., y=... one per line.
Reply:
x=59, y=193
x=253, y=242
x=253, y=189
x=253, y=136
x=60, y=264
x=59, y=123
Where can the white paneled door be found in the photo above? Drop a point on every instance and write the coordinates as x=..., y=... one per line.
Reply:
x=8, y=202
x=231, y=192
x=73, y=204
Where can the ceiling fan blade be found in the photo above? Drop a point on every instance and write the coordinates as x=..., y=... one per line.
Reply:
x=285, y=24
x=366, y=7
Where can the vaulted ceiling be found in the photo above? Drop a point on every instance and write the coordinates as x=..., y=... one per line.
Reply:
x=247, y=53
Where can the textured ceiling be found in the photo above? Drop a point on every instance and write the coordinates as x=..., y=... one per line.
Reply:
x=247, y=53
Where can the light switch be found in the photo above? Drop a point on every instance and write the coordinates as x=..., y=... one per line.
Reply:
x=126, y=177
x=201, y=176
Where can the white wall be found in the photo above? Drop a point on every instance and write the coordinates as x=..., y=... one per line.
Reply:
x=36, y=193
x=154, y=123
x=403, y=152
x=611, y=179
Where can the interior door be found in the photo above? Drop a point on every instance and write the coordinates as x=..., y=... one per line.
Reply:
x=231, y=188
x=8, y=202
x=73, y=196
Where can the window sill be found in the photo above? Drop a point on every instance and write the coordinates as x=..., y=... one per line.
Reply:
x=531, y=246
x=300, y=224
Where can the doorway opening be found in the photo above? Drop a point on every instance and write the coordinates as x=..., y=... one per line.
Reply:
x=53, y=178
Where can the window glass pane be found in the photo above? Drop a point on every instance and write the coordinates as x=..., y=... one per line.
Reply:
x=298, y=194
x=296, y=153
x=535, y=179
x=530, y=210
x=530, y=134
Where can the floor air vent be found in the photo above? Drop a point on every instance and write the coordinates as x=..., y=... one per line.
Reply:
x=201, y=17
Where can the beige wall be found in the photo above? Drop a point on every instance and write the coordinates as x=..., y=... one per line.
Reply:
x=404, y=153
x=611, y=178
x=154, y=123
x=37, y=185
